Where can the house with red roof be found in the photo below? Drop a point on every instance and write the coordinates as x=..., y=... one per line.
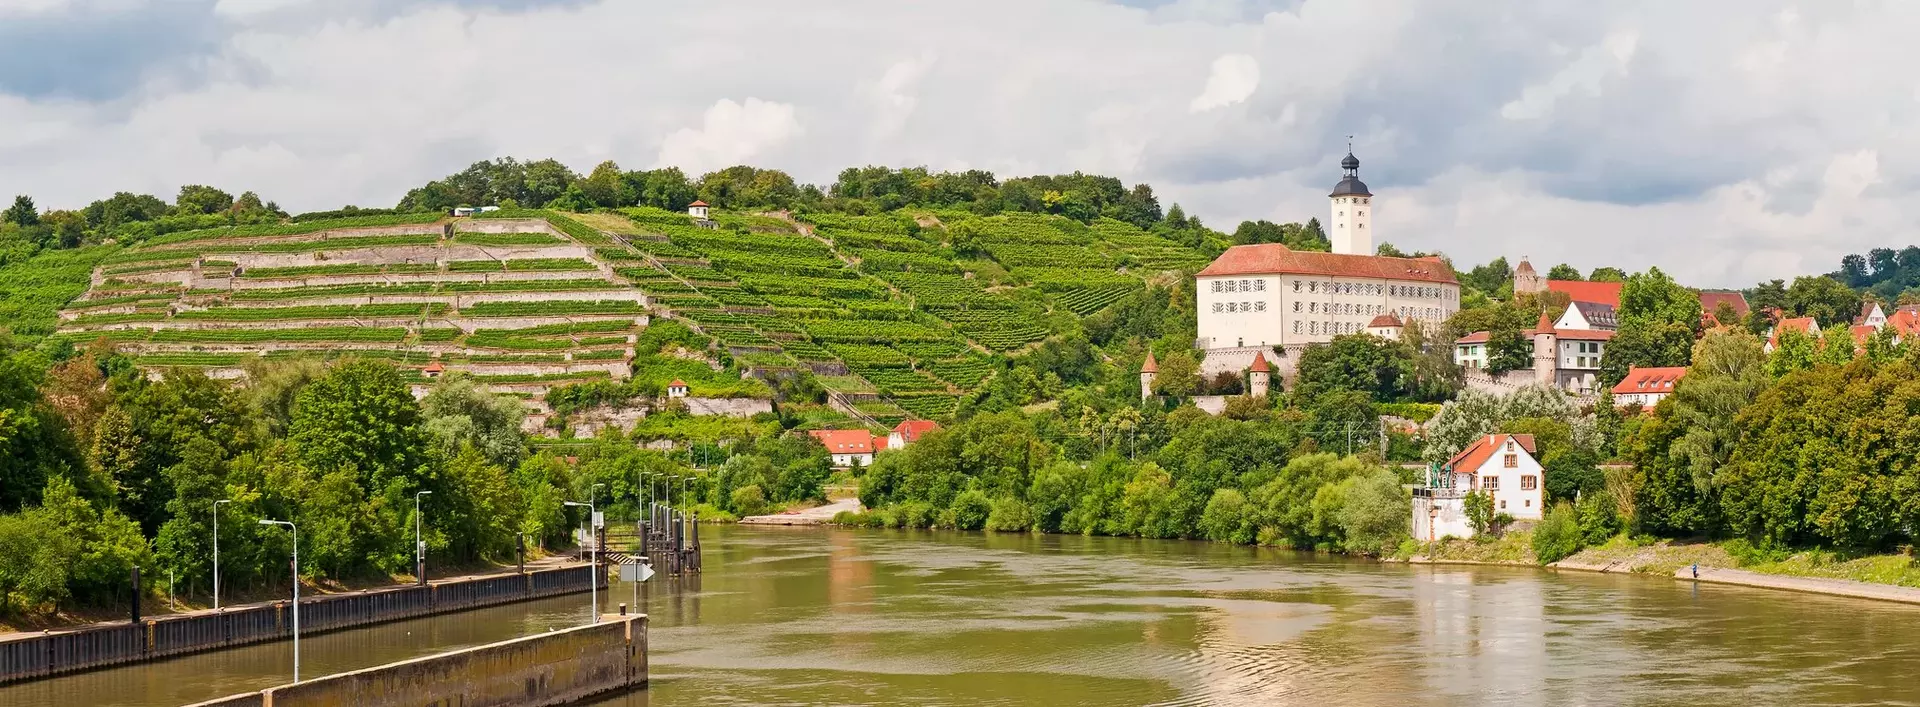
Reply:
x=1565, y=358
x=1804, y=325
x=1646, y=387
x=677, y=389
x=433, y=369
x=849, y=448
x=1710, y=302
x=908, y=432
x=1386, y=326
x=698, y=210
x=1607, y=293
x=1500, y=465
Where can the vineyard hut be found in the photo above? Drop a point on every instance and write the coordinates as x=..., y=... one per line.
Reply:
x=697, y=210
x=677, y=389
x=433, y=370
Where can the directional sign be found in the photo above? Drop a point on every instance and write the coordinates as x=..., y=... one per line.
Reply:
x=635, y=572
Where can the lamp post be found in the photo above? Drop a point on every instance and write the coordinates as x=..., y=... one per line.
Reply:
x=593, y=583
x=296, y=592
x=216, y=551
x=419, y=548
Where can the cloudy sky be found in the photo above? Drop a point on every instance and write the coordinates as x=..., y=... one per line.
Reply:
x=1723, y=141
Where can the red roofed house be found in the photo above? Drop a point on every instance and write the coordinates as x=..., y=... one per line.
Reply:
x=1257, y=297
x=908, y=432
x=849, y=448
x=1500, y=465
x=1386, y=326
x=1904, y=324
x=433, y=369
x=697, y=210
x=677, y=389
x=1646, y=386
x=1567, y=359
x=1804, y=325
x=1710, y=303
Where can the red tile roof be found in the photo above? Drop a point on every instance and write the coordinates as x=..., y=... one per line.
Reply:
x=1649, y=380
x=1607, y=293
x=1259, y=363
x=911, y=430
x=1904, y=322
x=1861, y=333
x=1384, y=320
x=1710, y=301
x=846, y=441
x=1150, y=366
x=697, y=203
x=434, y=367
x=1270, y=258
x=677, y=383
x=1478, y=337
x=1804, y=325
x=1481, y=337
x=1476, y=454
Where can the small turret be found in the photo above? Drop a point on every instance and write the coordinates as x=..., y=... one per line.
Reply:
x=1258, y=375
x=1546, y=352
x=1147, y=372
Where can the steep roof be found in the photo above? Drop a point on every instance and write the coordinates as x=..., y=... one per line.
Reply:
x=1274, y=258
x=697, y=203
x=1710, y=301
x=1151, y=366
x=1804, y=325
x=1607, y=293
x=845, y=441
x=1649, y=380
x=677, y=383
x=910, y=430
x=1862, y=332
x=1482, y=449
x=1385, y=320
x=434, y=367
x=1904, y=322
x=1481, y=337
x=1259, y=363
x=1599, y=315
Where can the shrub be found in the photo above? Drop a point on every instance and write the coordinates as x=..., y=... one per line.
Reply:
x=1479, y=508
x=1228, y=518
x=916, y=514
x=1010, y=515
x=1558, y=535
x=1599, y=517
x=969, y=511
x=749, y=500
x=1375, y=515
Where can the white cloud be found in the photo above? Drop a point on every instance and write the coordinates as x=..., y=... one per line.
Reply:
x=1585, y=73
x=1233, y=78
x=730, y=133
x=896, y=94
x=248, y=8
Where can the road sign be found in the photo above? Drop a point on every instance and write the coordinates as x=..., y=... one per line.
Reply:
x=635, y=572
x=599, y=519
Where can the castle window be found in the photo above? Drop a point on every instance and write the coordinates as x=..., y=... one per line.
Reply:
x=1296, y=326
x=1313, y=327
x=1260, y=306
x=1359, y=225
x=1296, y=285
x=1313, y=307
x=1218, y=307
x=1313, y=287
x=1296, y=306
x=1259, y=285
x=1233, y=286
x=1216, y=285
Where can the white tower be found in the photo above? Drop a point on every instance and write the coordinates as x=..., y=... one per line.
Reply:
x=1350, y=229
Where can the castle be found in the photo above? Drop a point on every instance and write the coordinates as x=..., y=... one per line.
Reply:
x=1269, y=299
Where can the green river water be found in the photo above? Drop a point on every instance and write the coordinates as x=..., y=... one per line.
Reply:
x=832, y=616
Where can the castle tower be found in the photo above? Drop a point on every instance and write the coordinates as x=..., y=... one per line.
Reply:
x=1546, y=353
x=1352, y=211
x=1257, y=375
x=1147, y=371
x=1526, y=280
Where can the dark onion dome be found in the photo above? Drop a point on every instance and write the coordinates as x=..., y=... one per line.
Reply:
x=1350, y=184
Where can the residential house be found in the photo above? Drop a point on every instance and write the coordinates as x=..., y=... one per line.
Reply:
x=849, y=448
x=1710, y=301
x=1567, y=359
x=908, y=432
x=1500, y=465
x=1646, y=386
x=677, y=389
x=1804, y=325
x=1588, y=316
x=1386, y=326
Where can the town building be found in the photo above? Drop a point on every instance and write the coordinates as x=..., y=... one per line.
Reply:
x=1566, y=359
x=677, y=389
x=1710, y=301
x=1588, y=315
x=1646, y=387
x=1500, y=465
x=848, y=448
x=908, y=432
x=1386, y=326
x=1803, y=325
x=1871, y=315
x=433, y=369
x=1269, y=298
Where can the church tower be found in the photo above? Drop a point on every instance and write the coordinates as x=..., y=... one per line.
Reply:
x=1350, y=230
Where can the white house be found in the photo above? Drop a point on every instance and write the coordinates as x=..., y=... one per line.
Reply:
x=1567, y=359
x=1646, y=386
x=849, y=448
x=697, y=210
x=1386, y=326
x=908, y=432
x=677, y=389
x=1588, y=316
x=1257, y=297
x=1500, y=465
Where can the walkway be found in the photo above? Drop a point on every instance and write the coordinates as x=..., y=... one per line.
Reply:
x=1814, y=585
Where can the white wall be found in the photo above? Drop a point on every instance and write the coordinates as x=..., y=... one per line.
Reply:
x=1509, y=497
x=1436, y=518
x=1351, y=226
x=1260, y=310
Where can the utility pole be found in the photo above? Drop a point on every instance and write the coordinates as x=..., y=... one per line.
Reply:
x=216, y=551
x=419, y=546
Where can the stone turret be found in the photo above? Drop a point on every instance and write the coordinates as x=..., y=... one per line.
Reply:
x=1546, y=353
x=1147, y=371
x=1258, y=375
x=1526, y=280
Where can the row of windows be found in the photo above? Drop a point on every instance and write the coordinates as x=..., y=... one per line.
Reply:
x=1592, y=347
x=1239, y=285
x=1334, y=328
x=1528, y=482
x=1369, y=288
x=1234, y=307
x=1343, y=308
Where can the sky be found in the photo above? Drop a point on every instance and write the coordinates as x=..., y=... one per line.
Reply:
x=1725, y=141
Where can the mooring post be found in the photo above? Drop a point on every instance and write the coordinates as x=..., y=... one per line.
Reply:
x=135, y=596
x=523, y=553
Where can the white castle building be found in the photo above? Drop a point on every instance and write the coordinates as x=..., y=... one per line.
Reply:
x=1268, y=297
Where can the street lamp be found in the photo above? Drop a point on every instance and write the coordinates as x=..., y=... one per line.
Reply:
x=593, y=583
x=216, y=551
x=296, y=592
x=419, y=548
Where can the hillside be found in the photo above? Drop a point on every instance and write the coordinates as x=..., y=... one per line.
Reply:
x=897, y=315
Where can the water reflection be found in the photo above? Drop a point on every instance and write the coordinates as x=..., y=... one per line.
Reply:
x=822, y=616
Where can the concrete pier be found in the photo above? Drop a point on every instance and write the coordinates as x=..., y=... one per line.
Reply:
x=558, y=668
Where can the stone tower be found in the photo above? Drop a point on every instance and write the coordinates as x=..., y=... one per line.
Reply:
x=1526, y=280
x=1350, y=228
x=1257, y=375
x=1546, y=353
x=1147, y=371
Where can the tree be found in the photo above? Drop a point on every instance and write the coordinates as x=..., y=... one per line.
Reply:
x=1658, y=323
x=1607, y=274
x=457, y=414
x=1823, y=298
x=1378, y=367
x=1563, y=271
x=360, y=416
x=1479, y=510
x=1794, y=350
x=202, y=199
x=1374, y=515
x=1557, y=535
x=1179, y=375
x=22, y=213
x=606, y=187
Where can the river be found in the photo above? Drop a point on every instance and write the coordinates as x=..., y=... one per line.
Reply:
x=832, y=616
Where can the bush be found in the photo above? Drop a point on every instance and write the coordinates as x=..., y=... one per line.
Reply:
x=1599, y=517
x=1228, y=518
x=1558, y=535
x=916, y=514
x=1375, y=516
x=749, y=500
x=968, y=512
x=1010, y=515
